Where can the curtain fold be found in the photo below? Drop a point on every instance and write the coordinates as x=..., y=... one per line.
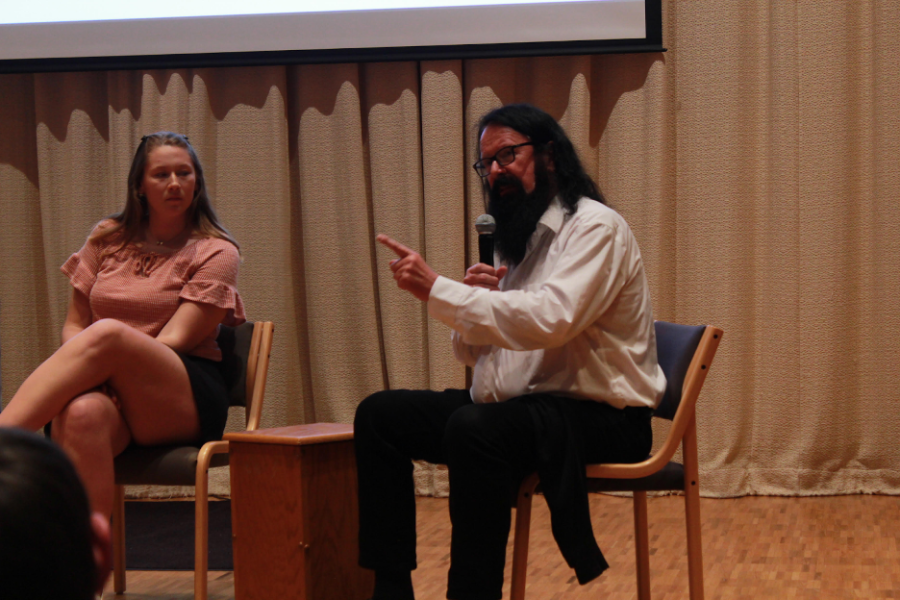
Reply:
x=755, y=161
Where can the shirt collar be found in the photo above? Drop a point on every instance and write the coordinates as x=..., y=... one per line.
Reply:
x=553, y=217
x=551, y=220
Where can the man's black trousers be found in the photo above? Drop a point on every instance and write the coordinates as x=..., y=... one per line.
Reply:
x=488, y=449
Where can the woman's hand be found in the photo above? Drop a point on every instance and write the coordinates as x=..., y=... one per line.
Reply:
x=192, y=323
x=485, y=276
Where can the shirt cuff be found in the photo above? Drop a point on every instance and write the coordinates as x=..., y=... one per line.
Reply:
x=445, y=299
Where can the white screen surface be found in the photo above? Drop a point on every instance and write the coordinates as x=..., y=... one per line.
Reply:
x=51, y=35
x=59, y=11
x=49, y=30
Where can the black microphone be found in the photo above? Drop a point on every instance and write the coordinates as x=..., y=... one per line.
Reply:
x=485, y=225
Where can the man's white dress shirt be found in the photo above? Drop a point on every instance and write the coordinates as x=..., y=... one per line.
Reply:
x=574, y=318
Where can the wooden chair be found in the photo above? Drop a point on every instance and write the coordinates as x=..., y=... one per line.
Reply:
x=685, y=354
x=245, y=351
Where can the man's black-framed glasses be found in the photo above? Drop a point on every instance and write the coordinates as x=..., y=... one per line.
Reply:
x=504, y=157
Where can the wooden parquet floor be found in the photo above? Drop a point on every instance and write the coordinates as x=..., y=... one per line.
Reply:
x=835, y=547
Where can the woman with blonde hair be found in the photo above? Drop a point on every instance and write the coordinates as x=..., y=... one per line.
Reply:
x=139, y=361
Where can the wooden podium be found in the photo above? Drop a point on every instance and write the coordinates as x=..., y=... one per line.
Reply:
x=294, y=514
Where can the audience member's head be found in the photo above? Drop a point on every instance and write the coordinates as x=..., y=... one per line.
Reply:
x=51, y=546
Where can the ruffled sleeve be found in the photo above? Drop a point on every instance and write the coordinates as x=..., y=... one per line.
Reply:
x=215, y=280
x=82, y=267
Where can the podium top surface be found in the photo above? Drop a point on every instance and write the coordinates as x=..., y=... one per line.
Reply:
x=295, y=435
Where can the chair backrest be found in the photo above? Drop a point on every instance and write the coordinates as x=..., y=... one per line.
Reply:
x=675, y=348
x=245, y=364
x=685, y=354
x=235, y=345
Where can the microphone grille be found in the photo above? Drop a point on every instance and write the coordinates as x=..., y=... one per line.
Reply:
x=485, y=224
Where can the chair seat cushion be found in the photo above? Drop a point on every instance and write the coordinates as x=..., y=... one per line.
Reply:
x=670, y=477
x=161, y=465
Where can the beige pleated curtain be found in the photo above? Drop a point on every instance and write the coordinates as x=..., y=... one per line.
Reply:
x=756, y=160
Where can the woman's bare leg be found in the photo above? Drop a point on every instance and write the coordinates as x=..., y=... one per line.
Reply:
x=147, y=377
x=92, y=431
x=150, y=384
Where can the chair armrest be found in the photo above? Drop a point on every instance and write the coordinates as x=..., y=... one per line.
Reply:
x=628, y=470
x=206, y=453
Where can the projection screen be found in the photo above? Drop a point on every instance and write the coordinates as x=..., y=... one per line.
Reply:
x=58, y=35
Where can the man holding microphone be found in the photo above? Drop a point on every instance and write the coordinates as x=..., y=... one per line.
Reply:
x=560, y=337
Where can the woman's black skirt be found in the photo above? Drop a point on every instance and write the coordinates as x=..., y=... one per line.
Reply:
x=210, y=395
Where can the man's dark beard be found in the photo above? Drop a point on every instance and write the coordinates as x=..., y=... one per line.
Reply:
x=517, y=213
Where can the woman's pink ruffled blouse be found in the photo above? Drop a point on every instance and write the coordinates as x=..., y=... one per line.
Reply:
x=143, y=289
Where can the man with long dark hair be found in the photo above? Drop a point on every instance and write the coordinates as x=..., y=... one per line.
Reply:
x=560, y=337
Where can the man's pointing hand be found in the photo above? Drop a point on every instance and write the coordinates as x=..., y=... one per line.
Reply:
x=411, y=272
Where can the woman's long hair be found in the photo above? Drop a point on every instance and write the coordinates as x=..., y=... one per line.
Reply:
x=128, y=224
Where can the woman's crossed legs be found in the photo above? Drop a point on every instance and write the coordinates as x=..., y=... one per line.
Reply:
x=105, y=387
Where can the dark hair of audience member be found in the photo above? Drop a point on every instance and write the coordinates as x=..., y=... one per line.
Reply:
x=569, y=177
x=45, y=531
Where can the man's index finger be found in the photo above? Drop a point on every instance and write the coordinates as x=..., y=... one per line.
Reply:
x=398, y=248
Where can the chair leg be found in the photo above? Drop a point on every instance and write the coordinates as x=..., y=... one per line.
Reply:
x=642, y=545
x=692, y=512
x=201, y=516
x=118, y=535
x=695, y=551
x=520, y=544
x=201, y=536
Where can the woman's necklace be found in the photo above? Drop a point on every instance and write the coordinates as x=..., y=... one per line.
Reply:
x=173, y=241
